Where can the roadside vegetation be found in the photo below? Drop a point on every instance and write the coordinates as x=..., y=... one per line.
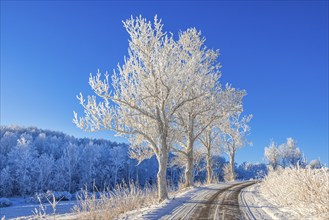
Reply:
x=108, y=205
x=302, y=190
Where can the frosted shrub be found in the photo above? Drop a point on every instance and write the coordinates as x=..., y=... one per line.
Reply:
x=111, y=204
x=305, y=191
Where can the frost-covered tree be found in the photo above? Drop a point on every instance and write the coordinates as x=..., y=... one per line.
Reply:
x=247, y=170
x=286, y=154
x=28, y=164
x=295, y=156
x=290, y=154
x=155, y=81
x=22, y=164
x=6, y=182
x=227, y=103
x=119, y=157
x=272, y=155
x=315, y=164
x=70, y=160
x=44, y=168
x=7, y=141
x=195, y=116
x=179, y=160
x=234, y=132
x=209, y=138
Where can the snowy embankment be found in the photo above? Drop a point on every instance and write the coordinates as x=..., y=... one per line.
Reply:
x=303, y=190
x=253, y=205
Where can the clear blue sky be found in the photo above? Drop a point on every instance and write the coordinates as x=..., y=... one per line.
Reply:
x=277, y=51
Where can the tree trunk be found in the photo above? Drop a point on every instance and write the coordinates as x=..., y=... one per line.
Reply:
x=190, y=142
x=189, y=167
x=162, y=157
x=232, y=166
x=162, y=182
x=209, y=169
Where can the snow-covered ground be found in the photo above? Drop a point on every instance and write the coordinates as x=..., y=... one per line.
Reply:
x=182, y=205
x=254, y=206
x=22, y=210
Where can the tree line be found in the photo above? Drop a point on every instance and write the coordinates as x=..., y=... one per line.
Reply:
x=287, y=154
x=34, y=160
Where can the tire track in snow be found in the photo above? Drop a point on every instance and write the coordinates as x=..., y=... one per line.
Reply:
x=223, y=204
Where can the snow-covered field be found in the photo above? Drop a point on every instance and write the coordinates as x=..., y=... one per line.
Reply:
x=22, y=210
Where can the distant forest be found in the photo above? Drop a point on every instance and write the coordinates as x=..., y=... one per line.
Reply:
x=36, y=160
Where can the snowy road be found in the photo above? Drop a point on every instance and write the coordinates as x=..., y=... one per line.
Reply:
x=215, y=201
x=219, y=203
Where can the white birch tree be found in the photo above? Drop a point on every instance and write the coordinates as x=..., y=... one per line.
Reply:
x=146, y=92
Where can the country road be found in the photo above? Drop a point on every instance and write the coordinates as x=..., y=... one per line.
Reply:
x=224, y=204
x=213, y=203
x=225, y=200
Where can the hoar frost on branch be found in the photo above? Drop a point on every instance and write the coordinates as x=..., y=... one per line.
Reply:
x=159, y=77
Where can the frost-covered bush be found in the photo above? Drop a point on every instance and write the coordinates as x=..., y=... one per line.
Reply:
x=305, y=191
x=4, y=202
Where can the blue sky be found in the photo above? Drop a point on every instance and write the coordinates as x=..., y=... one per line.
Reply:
x=277, y=51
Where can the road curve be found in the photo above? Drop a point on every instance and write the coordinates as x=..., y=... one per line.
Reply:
x=219, y=204
x=224, y=204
